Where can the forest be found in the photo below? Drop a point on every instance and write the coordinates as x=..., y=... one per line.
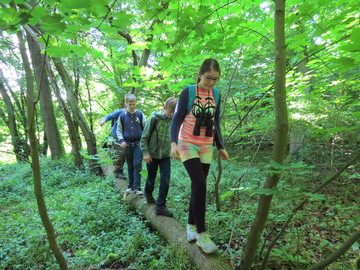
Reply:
x=290, y=121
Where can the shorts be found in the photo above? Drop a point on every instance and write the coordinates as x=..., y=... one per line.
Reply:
x=190, y=150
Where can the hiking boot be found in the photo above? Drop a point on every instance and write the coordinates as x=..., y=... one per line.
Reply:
x=149, y=198
x=203, y=240
x=163, y=211
x=191, y=232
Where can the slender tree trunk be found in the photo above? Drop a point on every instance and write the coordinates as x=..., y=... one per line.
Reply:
x=71, y=98
x=73, y=131
x=281, y=134
x=35, y=164
x=51, y=129
x=16, y=141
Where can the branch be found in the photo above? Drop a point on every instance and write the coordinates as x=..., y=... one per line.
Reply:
x=18, y=156
x=337, y=253
x=302, y=203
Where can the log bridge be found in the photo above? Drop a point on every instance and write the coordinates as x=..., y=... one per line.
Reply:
x=172, y=231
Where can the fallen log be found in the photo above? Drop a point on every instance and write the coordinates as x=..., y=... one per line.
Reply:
x=172, y=231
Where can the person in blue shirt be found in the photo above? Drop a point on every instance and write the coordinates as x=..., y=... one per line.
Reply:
x=118, y=154
x=130, y=126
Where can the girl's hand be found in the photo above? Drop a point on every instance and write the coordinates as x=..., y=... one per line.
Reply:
x=224, y=155
x=174, y=150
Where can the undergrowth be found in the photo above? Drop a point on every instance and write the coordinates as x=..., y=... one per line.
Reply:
x=89, y=218
x=91, y=221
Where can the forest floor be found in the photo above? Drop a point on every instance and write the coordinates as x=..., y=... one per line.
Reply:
x=92, y=222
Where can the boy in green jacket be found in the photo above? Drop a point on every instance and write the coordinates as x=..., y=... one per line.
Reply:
x=155, y=146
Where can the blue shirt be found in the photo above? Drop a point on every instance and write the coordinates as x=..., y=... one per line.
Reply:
x=113, y=117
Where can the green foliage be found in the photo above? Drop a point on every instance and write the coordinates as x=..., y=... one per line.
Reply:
x=101, y=43
x=89, y=218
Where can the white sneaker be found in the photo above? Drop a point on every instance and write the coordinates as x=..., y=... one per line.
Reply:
x=191, y=232
x=128, y=190
x=207, y=245
x=139, y=192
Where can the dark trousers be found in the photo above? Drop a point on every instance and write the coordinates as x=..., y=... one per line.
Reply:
x=198, y=172
x=152, y=167
x=118, y=157
x=134, y=158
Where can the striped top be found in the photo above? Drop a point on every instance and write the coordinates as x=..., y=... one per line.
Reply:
x=181, y=113
x=187, y=128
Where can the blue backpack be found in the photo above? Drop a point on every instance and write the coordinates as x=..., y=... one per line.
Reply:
x=192, y=94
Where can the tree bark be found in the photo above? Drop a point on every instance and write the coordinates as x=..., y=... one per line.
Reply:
x=16, y=141
x=72, y=130
x=88, y=135
x=281, y=134
x=51, y=129
x=35, y=164
x=173, y=232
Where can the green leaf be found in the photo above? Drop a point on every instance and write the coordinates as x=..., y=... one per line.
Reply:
x=122, y=20
x=356, y=115
x=227, y=195
x=267, y=191
x=316, y=197
x=355, y=35
x=70, y=4
x=53, y=24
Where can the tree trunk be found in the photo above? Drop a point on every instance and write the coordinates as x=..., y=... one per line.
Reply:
x=173, y=232
x=281, y=134
x=35, y=164
x=88, y=135
x=16, y=141
x=51, y=129
x=73, y=131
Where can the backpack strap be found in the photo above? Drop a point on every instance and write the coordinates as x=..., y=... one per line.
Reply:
x=191, y=97
x=216, y=93
x=140, y=115
x=192, y=94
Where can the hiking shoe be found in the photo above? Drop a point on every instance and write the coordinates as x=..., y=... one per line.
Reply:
x=203, y=240
x=138, y=191
x=149, y=198
x=163, y=211
x=128, y=190
x=191, y=232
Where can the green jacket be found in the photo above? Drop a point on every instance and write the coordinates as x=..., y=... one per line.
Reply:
x=156, y=144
